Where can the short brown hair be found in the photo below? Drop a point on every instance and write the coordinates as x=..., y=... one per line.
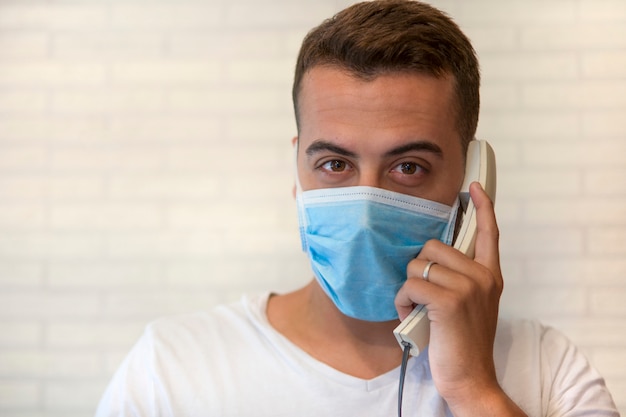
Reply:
x=386, y=36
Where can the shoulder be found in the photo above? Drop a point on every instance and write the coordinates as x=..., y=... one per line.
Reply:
x=179, y=356
x=533, y=338
x=533, y=344
x=547, y=374
x=183, y=340
x=523, y=328
x=182, y=344
x=223, y=322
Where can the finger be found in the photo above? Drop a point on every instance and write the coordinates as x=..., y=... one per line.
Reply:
x=404, y=302
x=442, y=277
x=445, y=256
x=424, y=285
x=487, y=252
x=453, y=271
x=414, y=290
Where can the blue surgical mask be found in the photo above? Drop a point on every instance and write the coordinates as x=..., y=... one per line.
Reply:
x=361, y=239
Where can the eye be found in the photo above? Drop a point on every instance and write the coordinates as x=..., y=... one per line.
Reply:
x=409, y=172
x=333, y=171
x=334, y=165
x=408, y=168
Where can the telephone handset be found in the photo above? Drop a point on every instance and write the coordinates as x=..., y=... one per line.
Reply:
x=480, y=167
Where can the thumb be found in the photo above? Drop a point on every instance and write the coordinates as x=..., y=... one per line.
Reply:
x=487, y=250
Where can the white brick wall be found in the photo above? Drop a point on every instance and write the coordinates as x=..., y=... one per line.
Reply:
x=145, y=152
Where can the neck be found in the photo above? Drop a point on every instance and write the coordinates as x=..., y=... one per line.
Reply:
x=309, y=319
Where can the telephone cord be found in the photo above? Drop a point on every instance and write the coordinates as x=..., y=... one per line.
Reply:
x=405, y=360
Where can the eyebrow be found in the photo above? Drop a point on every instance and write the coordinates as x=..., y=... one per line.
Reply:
x=422, y=146
x=323, y=145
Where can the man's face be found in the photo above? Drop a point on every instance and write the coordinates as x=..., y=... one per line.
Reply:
x=395, y=132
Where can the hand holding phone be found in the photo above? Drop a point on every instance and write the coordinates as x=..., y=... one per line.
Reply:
x=481, y=168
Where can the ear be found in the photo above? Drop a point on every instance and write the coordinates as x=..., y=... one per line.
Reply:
x=294, y=142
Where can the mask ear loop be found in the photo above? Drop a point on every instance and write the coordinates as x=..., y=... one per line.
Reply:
x=295, y=166
x=301, y=212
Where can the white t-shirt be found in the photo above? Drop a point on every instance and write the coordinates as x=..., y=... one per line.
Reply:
x=231, y=362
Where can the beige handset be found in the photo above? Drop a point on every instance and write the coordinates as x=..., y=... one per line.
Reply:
x=480, y=167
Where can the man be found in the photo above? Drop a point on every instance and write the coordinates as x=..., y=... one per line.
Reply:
x=386, y=100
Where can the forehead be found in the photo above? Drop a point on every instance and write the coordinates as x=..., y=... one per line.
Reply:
x=335, y=104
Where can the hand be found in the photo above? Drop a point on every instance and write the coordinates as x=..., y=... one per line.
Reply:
x=462, y=296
